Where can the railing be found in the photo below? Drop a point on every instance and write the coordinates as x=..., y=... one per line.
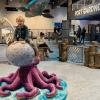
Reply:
x=48, y=33
x=36, y=32
x=75, y=54
x=86, y=55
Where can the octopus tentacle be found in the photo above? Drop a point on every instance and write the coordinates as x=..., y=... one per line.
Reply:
x=52, y=89
x=14, y=75
x=27, y=95
x=32, y=91
x=56, y=81
x=29, y=77
x=45, y=79
x=29, y=86
x=11, y=86
x=10, y=75
x=4, y=94
x=50, y=79
x=58, y=86
x=41, y=76
x=45, y=74
x=43, y=84
x=8, y=79
x=5, y=79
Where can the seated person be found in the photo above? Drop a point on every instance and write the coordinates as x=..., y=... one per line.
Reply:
x=42, y=44
x=22, y=33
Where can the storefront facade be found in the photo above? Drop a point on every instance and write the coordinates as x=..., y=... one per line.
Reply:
x=89, y=16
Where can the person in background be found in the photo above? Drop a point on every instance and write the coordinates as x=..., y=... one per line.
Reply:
x=79, y=32
x=83, y=35
x=57, y=32
x=22, y=34
x=75, y=38
x=42, y=43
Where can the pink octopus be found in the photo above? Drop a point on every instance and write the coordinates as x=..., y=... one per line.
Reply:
x=32, y=80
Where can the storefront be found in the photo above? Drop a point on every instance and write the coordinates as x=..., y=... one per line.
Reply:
x=89, y=16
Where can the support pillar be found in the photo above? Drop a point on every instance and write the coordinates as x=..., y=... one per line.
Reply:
x=69, y=15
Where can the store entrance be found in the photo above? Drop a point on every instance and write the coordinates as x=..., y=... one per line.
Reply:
x=94, y=32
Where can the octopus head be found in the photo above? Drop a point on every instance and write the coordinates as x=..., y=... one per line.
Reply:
x=20, y=54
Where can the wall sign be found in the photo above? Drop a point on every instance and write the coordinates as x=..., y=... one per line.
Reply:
x=88, y=10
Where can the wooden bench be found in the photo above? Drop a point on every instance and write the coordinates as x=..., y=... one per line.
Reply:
x=42, y=53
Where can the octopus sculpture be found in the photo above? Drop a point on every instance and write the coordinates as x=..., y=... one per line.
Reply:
x=27, y=75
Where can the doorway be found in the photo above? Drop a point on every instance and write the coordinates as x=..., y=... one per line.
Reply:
x=94, y=32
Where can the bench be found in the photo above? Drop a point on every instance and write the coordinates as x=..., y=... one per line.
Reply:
x=42, y=53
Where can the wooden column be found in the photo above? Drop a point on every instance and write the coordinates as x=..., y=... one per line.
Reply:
x=92, y=52
x=63, y=51
x=86, y=52
x=69, y=15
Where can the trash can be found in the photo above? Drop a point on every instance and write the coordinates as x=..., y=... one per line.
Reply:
x=63, y=51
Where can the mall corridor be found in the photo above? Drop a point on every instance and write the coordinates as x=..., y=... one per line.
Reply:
x=67, y=36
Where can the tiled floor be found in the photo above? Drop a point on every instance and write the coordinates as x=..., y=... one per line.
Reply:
x=83, y=83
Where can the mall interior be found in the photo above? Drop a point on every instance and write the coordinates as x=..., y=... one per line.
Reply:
x=71, y=30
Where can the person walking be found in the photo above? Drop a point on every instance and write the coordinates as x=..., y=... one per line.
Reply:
x=83, y=35
x=74, y=38
x=79, y=33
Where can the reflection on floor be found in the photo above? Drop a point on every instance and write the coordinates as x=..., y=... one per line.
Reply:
x=83, y=83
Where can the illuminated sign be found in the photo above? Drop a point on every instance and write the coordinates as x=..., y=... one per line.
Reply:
x=88, y=10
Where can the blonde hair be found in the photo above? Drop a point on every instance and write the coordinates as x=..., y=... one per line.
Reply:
x=20, y=18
